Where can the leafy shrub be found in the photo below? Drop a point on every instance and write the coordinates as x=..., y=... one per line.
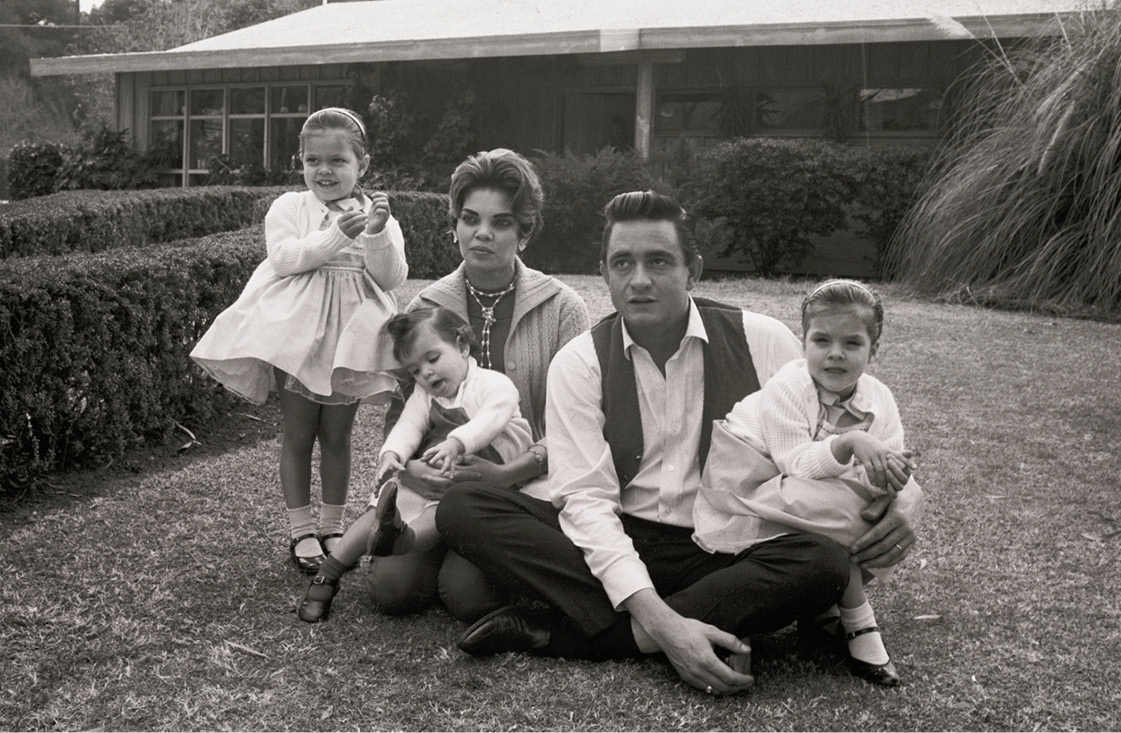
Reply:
x=225, y=171
x=95, y=347
x=4, y=194
x=770, y=197
x=104, y=160
x=576, y=189
x=33, y=168
x=889, y=181
x=97, y=220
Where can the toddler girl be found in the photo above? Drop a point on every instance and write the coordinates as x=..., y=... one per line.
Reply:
x=818, y=449
x=331, y=249
x=458, y=408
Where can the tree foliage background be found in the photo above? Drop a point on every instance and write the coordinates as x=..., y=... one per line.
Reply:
x=57, y=108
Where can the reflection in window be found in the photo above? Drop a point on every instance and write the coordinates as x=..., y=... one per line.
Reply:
x=333, y=96
x=167, y=143
x=789, y=109
x=168, y=103
x=206, y=141
x=289, y=99
x=284, y=142
x=684, y=114
x=206, y=102
x=247, y=101
x=899, y=110
x=247, y=141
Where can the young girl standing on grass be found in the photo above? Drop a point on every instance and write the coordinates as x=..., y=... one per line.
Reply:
x=331, y=249
x=818, y=449
x=458, y=408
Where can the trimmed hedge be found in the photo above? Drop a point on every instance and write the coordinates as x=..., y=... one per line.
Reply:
x=95, y=348
x=95, y=345
x=97, y=220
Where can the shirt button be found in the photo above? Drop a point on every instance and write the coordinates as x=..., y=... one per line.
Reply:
x=669, y=467
x=512, y=366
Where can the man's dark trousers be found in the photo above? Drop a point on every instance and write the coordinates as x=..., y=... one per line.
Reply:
x=517, y=541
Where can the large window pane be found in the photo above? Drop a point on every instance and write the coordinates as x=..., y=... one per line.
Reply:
x=290, y=99
x=333, y=96
x=168, y=103
x=284, y=142
x=206, y=102
x=247, y=101
x=789, y=109
x=685, y=114
x=247, y=141
x=899, y=110
x=206, y=141
x=167, y=143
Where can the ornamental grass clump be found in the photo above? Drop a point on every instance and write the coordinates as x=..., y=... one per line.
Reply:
x=1023, y=206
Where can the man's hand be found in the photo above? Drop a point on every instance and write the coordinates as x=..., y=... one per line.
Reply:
x=688, y=644
x=887, y=542
x=424, y=480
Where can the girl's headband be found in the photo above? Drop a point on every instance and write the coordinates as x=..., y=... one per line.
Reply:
x=830, y=283
x=347, y=113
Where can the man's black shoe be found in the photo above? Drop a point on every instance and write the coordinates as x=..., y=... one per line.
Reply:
x=507, y=629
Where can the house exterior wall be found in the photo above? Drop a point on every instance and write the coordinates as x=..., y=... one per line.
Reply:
x=870, y=94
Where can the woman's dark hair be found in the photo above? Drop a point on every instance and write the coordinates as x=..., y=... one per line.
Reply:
x=841, y=292
x=448, y=326
x=647, y=206
x=506, y=171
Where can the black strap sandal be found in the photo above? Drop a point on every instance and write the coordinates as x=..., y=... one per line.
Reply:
x=878, y=674
x=306, y=565
x=316, y=605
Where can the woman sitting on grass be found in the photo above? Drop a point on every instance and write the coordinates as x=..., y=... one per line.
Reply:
x=457, y=409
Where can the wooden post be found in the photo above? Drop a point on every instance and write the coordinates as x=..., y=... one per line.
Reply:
x=644, y=111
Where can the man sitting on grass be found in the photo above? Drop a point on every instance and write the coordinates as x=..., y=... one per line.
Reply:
x=629, y=411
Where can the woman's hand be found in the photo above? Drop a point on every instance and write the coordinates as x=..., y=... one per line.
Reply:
x=474, y=472
x=424, y=480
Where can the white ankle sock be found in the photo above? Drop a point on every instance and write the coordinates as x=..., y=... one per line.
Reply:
x=330, y=522
x=302, y=523
x=867, y=647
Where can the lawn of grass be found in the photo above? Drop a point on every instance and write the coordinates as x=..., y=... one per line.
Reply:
x=162, y=599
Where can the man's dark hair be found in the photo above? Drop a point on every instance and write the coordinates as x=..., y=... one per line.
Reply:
x=647, y=206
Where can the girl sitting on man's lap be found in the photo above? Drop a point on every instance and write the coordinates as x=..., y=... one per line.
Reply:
x=458, y=408
x=818, y=449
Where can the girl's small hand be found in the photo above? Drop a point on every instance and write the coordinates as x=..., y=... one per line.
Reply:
x=379, y=212
x=351, y=223
x=443, y=455
x=871, y=453
x=899, y=470
x=389, y=463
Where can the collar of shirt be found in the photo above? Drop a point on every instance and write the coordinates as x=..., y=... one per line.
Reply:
x=857, y=404
x=695, y=329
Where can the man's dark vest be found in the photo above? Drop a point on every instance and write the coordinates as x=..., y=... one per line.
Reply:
x=729, y=375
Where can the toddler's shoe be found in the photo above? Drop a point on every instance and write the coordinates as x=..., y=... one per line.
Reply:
x=316, y=605
x=389, y=525
x=878, y=674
